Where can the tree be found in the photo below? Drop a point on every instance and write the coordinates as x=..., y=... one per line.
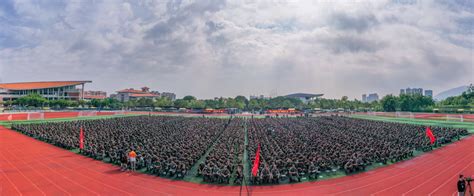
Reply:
x=82, y=103
x=189, y=98
x=196, y=104
x=131, y=103
x=145, y=102
x=96, y=103
x=344, y=98
x=241, y=98
x=34, y=100
x=111, y=103
x=389, y=103
x=210, y=103
x=163, y=102
x=241, y=102
x=406, y=102
x=254, y=105
x=221, y=103
x=463, y=101
x=8, y=103
x=181, y=103
x=284, y=102
x=231, y=103
x=60, y=103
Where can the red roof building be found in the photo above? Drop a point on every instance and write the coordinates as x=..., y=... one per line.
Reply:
x=130, y=93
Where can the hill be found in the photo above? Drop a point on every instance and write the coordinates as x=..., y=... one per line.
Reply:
x=451, y=92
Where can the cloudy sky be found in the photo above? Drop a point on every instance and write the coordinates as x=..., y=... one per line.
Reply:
x=226, y=48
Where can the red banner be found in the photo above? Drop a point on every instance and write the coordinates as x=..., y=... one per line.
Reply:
x=256, y=162
x=81, y=139
x=430, y=135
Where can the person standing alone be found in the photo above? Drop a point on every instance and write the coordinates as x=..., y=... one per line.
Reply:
x=461, y=185
x=132, y=155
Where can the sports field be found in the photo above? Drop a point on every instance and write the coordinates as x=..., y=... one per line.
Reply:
x=29, y=166
x=442, y=123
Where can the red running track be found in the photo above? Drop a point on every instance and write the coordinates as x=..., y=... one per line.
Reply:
x=32, y=167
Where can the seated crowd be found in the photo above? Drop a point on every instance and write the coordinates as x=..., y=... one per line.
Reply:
x=165, y=146
x=293, y=148
x=213, y=149
x=226, y=156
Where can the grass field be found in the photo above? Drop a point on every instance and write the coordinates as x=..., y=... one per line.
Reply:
x=441, y=123
x=9, y=123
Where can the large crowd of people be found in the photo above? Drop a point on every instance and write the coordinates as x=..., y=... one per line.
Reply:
x=291, y=148
x=165, y=146
x=226, y=155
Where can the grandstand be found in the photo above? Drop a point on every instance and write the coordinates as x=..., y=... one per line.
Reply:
x=47, y=89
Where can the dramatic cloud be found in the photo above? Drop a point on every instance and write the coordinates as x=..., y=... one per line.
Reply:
x=226, y=48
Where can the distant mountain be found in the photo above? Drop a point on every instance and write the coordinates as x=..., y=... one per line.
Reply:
x=451, y=92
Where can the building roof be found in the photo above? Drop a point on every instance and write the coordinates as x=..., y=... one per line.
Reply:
x=39, y=85
x=303, y=95
x=131, y=90
x=143, y=95
x=94, y=97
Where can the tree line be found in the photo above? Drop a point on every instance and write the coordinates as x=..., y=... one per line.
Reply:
x=419, y=103
x=389, y=103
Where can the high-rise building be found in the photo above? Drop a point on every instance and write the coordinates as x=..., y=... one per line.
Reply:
x=169, y=95
x=402, y=91
x=372, y=97
x=258, y=97
x=429, y=93
x=412, y=91
x=417, y=91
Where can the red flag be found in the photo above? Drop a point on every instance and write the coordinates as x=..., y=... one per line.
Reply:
x=256, y=162
x=81, y=139
x=10, y=118
x=430, y=135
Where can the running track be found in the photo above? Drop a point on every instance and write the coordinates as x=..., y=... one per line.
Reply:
x=31, y=167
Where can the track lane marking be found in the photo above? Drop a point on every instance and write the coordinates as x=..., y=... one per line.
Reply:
x=14, y=186
x=112, y=187
x=404, y=171
x=449, y=179
x=31, y=182
x=444, y=170
x=47, y=179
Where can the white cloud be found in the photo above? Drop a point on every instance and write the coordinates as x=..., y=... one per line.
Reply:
x=214, y=48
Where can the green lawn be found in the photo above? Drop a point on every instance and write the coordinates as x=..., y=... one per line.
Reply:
x=441, y=123
x=9, y=123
